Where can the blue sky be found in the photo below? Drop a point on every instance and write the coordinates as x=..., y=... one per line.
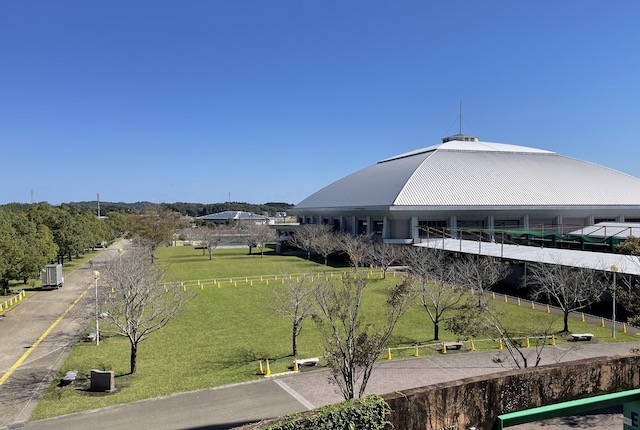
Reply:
x=264, y=101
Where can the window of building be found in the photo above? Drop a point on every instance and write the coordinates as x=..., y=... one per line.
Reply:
x=377, y=227
x=431, y=228
x=362, y=226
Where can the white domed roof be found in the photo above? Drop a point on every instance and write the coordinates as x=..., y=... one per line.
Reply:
x=475, y=174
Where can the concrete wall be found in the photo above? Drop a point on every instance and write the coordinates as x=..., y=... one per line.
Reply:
x=478, y=401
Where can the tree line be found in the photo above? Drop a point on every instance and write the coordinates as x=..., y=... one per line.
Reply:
x=33, y=235
x=189, y=209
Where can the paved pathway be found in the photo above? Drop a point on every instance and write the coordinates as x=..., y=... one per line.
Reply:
x=35, y=341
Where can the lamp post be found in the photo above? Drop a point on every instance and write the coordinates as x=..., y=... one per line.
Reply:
x=96, y=276
x=614, y=269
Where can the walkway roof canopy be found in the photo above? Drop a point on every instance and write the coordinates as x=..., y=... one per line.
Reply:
x=625, y=264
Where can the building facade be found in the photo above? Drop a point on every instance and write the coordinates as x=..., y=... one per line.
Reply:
x=465, y=183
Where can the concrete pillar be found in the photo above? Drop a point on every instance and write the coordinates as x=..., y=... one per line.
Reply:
x=591, y=220
x=620, y=218
x=490, y=227
x=453, y=225
x=342, y=224
x=369, y=225
x=525, y=222
x=413, y=229
x=354, y=225
x=386, y=228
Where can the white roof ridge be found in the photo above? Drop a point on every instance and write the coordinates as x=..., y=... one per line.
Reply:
x=479, y=146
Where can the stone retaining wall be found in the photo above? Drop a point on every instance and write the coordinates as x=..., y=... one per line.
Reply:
x=479, y=400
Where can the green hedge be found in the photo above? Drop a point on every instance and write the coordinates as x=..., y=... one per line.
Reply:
x=368, y=413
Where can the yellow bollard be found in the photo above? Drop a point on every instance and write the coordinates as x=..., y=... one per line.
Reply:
x=602, y=322
x=518, y=301
x=582, y=317
x=416, y=353
x=500, y=344
x=218, y=284
x=235, y=284
x=473, y=347
x=268, y=372
x=295, y=366
x=624, y=328
x=394, y=274
x=1, y=308
x=444, y=348
x=528, y=344
x=533, y=306
x=389, y=354
x=184, y=288
x=548, y=309
x=260, y=278
x=202, y=286
x=505, y=299
x=283, y=280
x=260, y=370
x=251, y=283
x=553, y=340
x=267, y=282
x=492, y=295
x=113, y=290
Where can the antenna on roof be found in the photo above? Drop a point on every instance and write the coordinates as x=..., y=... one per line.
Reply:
x=460, y=116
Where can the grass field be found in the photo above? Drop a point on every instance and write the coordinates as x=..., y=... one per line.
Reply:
x=229, y=326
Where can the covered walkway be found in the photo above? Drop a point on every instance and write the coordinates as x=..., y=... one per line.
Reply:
x=626, y=264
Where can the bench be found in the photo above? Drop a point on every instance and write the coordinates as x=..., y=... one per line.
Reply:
x=91, y=337
x=308, y=361
x=582, y=336
x=452, y=345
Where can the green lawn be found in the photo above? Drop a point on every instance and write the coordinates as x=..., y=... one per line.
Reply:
x=229, y=326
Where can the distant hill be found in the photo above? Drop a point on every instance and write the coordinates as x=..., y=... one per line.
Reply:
x=191, y=209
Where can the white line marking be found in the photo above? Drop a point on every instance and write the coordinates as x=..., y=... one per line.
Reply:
x=294, y=394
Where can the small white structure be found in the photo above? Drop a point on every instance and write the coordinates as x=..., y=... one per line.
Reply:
x=238, y=216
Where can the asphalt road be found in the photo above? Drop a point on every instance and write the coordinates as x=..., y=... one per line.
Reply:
x=34, y=340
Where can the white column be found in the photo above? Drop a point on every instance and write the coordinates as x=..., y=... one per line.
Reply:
x=413, y=227
x=525, y=222
x=385, y=228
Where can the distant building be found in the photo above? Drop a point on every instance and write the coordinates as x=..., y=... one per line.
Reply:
x=238, y=216
x=465, y=183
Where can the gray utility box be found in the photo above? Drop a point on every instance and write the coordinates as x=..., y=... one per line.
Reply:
x=51, y=276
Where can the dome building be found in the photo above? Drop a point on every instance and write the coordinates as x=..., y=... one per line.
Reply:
x=466, y=183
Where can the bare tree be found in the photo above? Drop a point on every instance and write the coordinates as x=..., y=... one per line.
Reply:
x=304, y=237
x=295, y=300
x=258, y=235
x=325, y=242
x=351, y=345
x=211, y=237
x=433, y=272
x=356, y=247
x=570, y=288
x=383, y=255
x=479, y=273
x=138, y=304
x=521, y=349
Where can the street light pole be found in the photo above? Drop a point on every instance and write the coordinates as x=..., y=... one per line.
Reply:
x=614, y=269
x=96, y=276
